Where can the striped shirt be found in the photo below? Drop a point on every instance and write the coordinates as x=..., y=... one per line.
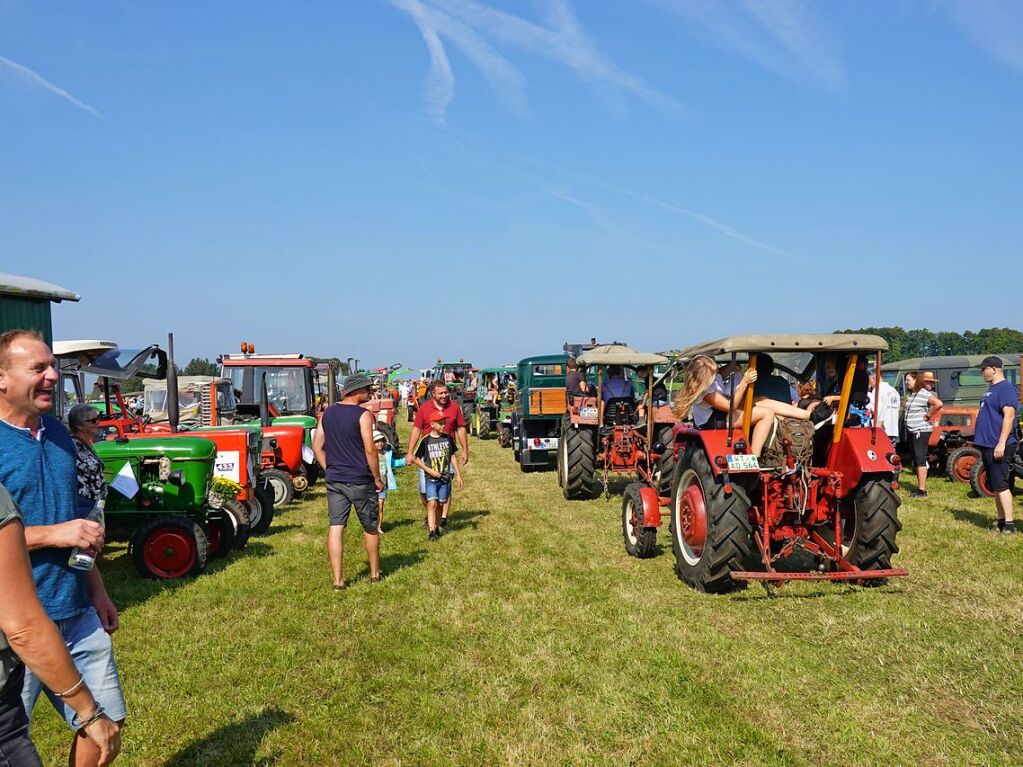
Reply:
x=917, y=410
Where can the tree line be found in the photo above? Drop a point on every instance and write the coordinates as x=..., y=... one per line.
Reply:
x=921, y=342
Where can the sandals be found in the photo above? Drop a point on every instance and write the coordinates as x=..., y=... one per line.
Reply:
x=340, y=586
x=375, y=578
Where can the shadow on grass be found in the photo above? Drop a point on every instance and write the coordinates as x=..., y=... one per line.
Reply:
x=127, y=588
x=275, y=529
x=390, y=564
x=233, y=744
x=388, y=526
x=974, y=518
x=459, y=520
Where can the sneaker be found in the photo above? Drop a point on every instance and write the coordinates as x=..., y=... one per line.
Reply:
x=443, y=521
x=919, y=493
x=433, y=536
x=1009, y=529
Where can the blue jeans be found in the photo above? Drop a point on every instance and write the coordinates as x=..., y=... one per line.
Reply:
x=438, y=489
x=93, y=654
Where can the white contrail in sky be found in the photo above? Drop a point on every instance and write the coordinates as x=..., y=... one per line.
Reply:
x=34, y=78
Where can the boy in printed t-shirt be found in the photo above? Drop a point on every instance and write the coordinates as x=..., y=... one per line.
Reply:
x=434, y=455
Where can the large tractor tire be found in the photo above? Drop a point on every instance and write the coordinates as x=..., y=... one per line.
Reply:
x=665, y=468
x=483, y=424
x=868, y=538
x=261, y=506
x=169, y=546
x=239, y=515
x=577, y=462
x=312, y=472
x=960, y=463
x=468, y=411
x=640, y=541
x=220, y=533
x=282, y=487
x=504, y=435
x=710, y=528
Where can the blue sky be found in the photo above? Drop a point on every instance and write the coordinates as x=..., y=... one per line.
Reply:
x=398, y=180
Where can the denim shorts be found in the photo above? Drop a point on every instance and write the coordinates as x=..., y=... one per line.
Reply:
x=342, y=497
x=92, y=651
x=438, y=489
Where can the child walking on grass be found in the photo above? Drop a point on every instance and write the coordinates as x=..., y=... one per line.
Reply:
x=434, y=456
x=388, y=463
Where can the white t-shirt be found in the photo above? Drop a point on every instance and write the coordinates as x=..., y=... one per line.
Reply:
x=701, y=410
x=888, y=409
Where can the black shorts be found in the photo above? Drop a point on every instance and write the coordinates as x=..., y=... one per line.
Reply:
x=998, y=471
x=15, y=747
x=342, y=497
x=918, y=441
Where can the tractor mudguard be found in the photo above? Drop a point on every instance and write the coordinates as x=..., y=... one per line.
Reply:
x=651, y=508
x=587, y=405
x=855, y=455
x=714, y=442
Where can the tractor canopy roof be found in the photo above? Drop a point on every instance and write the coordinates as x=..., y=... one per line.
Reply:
x=80, y=353
x=955, y=362
x=454, y=365
x=266, y=360
x=119, y=364
x=185, y=383
x=619, y=354
x=827, y=342
x=505, y=369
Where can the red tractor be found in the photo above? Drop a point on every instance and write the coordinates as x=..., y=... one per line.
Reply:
x=607, y=436
x=825, y=509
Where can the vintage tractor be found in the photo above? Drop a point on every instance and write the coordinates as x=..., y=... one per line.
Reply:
x=487, y=416
x=540, y=403
x=292, y=386
x=461, y=379
x=960, y=386
x=614, y=437
x=822, y=507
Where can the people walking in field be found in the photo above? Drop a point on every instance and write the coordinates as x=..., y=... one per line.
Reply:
x=703, y=396
x=37, y=466
x=345, y=450
x=997, y=436
x=920, y=409
x=29, y=637
x=388, y=463
x=886, y=411
x=454, y=426
x=435, y=457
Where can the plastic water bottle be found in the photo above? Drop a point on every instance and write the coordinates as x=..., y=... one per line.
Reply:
x=84, y=559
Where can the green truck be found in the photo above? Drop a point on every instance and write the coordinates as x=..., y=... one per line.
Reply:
x=540, y=403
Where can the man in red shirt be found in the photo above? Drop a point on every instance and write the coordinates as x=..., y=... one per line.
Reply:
x=454, y=427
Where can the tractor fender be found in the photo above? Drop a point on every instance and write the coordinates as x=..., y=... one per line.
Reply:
x=855, y=455
x=651, y=508
x=713, y=441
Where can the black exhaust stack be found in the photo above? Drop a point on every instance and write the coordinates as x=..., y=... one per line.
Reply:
x=172, y=386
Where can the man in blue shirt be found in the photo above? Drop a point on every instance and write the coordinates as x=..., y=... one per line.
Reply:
x=616, y=385
x=995, y=435
x=37, y=466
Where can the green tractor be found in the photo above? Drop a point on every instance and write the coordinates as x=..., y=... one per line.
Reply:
x=460, y=378
x=493, y=410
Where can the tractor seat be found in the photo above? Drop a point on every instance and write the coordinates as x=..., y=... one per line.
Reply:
x=619, y=411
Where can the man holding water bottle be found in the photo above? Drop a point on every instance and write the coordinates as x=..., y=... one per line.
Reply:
x=37, y=466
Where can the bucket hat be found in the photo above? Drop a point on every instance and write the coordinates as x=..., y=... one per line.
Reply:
x=354, y=383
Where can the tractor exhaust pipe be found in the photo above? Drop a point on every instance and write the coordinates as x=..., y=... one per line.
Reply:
x=264, y=405
x=172, y=386
x=331, y=386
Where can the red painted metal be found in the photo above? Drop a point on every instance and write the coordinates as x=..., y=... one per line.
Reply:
x=651, y=507
x=692, y=518
x=170, y=552
x=850, y=575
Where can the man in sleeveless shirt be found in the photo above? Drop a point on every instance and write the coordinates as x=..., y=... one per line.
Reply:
x=344, y=449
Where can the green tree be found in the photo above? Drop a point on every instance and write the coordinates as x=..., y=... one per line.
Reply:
x=199, y=366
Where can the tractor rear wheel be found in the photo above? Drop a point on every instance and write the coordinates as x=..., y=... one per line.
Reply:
x=504, y=438
x=239, y=514
x=665, y=468
x=261, y=506
x=868, y=537
x=710, y=528
x=640, y=542
x=281, y=485
x=169, y=546
x=577, y=462
x=483, y=424
x=961, y=461
x=467, y=412
x=221, y=534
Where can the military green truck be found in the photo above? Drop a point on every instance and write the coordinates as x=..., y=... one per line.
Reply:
x=540, y=402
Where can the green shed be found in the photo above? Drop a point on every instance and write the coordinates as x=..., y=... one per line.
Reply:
x=25, y=303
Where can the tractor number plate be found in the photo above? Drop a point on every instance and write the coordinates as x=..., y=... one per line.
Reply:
x=743, y=463
x=542, y=443
x=587, y=412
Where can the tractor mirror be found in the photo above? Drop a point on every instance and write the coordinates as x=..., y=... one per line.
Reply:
x=658, y=448
x=176, y=478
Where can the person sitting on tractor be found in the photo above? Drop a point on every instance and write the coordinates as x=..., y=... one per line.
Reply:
x=616, y=386
x=493, y=388
x=769, y=385
x=575, y=381
x=703, y=397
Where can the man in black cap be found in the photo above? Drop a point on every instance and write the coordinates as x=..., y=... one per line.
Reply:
x=345, y=450
x=995, y=435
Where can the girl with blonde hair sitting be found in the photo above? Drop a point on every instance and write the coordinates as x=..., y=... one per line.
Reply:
x=704, y=396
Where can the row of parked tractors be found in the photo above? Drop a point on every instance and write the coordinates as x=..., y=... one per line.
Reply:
x=207, y=461
x=818, y=503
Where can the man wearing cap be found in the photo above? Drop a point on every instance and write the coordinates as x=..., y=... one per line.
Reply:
x=886, y=410
x=995, y=435
x=344, y=449
x=454, y=426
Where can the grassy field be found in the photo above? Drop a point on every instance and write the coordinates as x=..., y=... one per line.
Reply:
x=526, y=636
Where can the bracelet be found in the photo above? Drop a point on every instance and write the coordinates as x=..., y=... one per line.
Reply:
x=73, y=689
x=78, y=724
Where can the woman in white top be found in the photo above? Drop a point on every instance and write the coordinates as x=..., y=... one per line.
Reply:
x=704, y=395
x=921, y=406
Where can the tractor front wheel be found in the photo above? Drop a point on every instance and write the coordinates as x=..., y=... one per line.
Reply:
x=221, y=534
x=961, y=462
x=312, y=472
x=468, y=413
x=504, y=437
x=239, y=514
x=483, y=424
x=665, y=467
x=281, y=485
x=169, y=546
x=577, y=462
x=640, y=541
x=868, y=537
x=261, y=505
x=710, y=527
x=979, y=483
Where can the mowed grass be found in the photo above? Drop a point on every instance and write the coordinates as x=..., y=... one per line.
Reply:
x=527, y=636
